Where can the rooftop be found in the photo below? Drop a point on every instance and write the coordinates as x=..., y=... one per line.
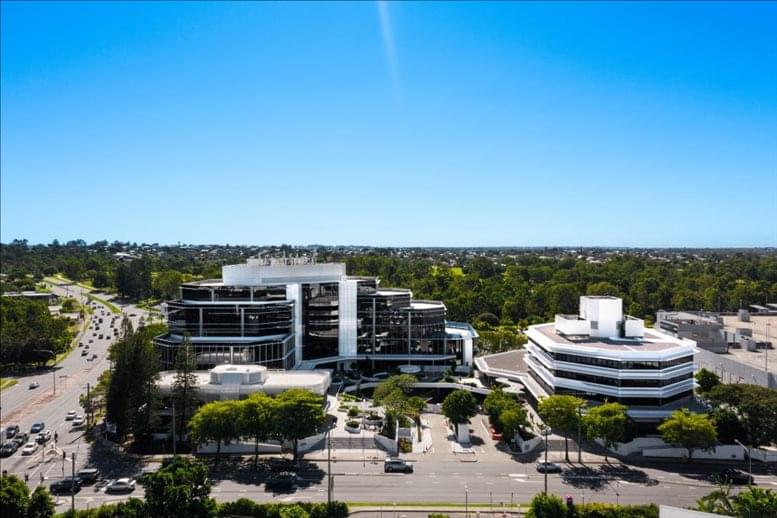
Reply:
x=652, y=341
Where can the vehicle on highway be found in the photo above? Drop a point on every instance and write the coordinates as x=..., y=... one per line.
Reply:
x=67, y=485
x=548, y=467
x=78, y=420
x=100, y=337
x=94, y=356
x=30, y=448
x=37, y=427
x=84, y=352
x=71, y=414
x=734, y=476
x=43, y=437
x=88, y=475
x=283, y=481
x=8, y=448
x=80, y=344
x=20, y=439
x=396, y=465
x=91, y=341
x=122, y=485
x=12, y=430
x=33, y=385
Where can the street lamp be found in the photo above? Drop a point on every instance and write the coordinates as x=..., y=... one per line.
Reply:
x=545, y=431
x=750, y=462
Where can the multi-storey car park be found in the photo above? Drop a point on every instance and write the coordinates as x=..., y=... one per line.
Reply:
x=602, y=354
x=288, y=313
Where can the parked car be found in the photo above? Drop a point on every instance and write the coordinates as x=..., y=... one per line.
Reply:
x=30, y=448
x=283, y=481
x=43, y=437
x=122, y=485
x=33, y=385
x=78, y=420
x=734, y=476
x=37, y=427
x=88, y=475
x=20, y=439
x=548, y=467
x=8, y=448
x=71, y=414
x=11, y=430
x=395, y=465
x=67, y=485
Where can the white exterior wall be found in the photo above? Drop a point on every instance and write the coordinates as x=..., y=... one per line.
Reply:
x=572, y=327
x=252, y=274
x=347, y=322
x=294, y=292
x=606, y=312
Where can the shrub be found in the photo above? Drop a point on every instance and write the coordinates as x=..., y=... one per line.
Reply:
x=405, y=446
x=353, y=411
x=546, y=506
x=352, y=424
x=248, y=508
x=437, y=515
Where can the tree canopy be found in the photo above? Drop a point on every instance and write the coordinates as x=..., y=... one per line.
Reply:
x=562, y=414
x=459, y=406
x=606, y=422
x=692, y=431
x=755, y=407
x=180, y=488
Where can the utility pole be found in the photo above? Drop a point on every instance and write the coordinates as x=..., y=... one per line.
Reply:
x=329, y=470
x=54, y=377
x=73, y=484
x=579, y=434
x=174, y=441
x=466, y=501
x=545, y=432
x=88, y=405
x=750, y=462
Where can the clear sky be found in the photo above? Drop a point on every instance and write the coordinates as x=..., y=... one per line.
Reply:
x=462, y=124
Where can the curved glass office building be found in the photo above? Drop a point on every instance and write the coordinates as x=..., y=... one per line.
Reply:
x=286, y=313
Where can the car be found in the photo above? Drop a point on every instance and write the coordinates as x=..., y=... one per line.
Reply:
x=734, y=476
x=71, y=414
x=548, y=467
x=100, y=337
x=69, y=485
x=37, y=427
x=396, y=465
x=20, y=439
x=284, y=481
x=78, y=420
x=122, y=485
x=84, y=352
x=33, y=385
x=43, y=437
x=8, y=448
x=94, y=356
x=11, y=430
x=91, y=341
x=80, y=344
x=88, y=475
x=30, y=448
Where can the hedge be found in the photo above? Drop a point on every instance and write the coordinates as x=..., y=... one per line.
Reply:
x=250, y=509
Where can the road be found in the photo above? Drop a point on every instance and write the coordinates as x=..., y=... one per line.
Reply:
x=58, y=393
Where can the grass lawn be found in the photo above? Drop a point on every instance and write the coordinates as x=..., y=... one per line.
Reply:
x=7, y=382
x=112, y=307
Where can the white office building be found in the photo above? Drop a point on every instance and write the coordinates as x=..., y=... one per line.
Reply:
x=601, y=354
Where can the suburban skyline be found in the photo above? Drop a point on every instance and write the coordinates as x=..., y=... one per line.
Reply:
x=390, y=124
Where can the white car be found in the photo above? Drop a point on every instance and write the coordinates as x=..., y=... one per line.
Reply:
x=29, y=448
x=122, y=485
x=78, y=420
x=70, y=415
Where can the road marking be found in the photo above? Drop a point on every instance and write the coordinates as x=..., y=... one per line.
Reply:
x=522, y=475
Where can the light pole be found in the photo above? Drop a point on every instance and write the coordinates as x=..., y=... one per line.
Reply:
x=579, y=434
x=545, y=431
x=766, y=353
x=329, y=470
x=466, y=501
x=750, y=462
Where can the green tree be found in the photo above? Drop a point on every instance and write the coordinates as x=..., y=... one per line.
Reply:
x=14, y=497
x=217, y=422
x=165, y=285
x=606, y=422
x=299, y=414
x=41, y=504
x=753, y=502
x=257, y=414
x=292, y=511
x=755, y=406
x=562, y=414
x=546, y=506
x=459, y=406
x=707, y=380
x=180, y=488
x=402, y=382
x=692, y=431
x=184, y=389
x=513, y=419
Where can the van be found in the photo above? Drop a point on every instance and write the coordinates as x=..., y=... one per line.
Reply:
x=88, y=475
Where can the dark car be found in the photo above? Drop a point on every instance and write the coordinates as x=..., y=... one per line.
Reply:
x=67, y=485
x=734, y=476
x=283, y=481
x=8, y=448
x=394, y=465
x=20, y=439
x=11, y=431
x=88, y=475
x=548, y=467
x=37, y=427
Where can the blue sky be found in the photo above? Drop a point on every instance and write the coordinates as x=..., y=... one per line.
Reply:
x=463, y=124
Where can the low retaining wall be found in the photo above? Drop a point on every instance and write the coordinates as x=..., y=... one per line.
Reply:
x=390, y=445
x=239, y=448
x=528, y=445
x=724, y=452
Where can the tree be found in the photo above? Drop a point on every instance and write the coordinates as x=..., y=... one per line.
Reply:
x=257, y=419
x=402, y=382
x=184, y=389
x=755, y=407
x=562, y=414
x=14, y=497
x=180, y=488
x=41, y=504
x=606, y=422
x=707, y=380
x=546, y=506
x=692, y=431
x=752, y=502
x=165, y=284
x=217, y=422
x=299, y=414
x=512, y=420
x=459, y=406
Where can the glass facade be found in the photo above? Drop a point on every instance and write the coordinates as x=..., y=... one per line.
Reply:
x=320, y=320
x=273, y=354
x=614, y=364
